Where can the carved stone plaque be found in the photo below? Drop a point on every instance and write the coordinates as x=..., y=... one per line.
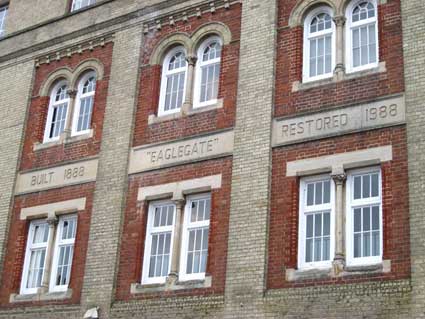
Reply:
x=189, y=150
x=339, y=121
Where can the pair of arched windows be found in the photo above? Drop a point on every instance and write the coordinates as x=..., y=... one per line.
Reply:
x=79, y=4
x=60, y=104
x=175, y=80
x=361, y=40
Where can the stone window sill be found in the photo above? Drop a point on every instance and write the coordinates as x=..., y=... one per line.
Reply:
x=298, y=86
x=184, y=111
x=317, y=274
x=41, y=296
x=138, y=288
x=63, y=140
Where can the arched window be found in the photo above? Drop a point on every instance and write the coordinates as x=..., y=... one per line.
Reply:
x=57, y=113
x=362, y=36
x=3, y=15
x=78, y=4
x=84, y=104
x=173, y=82
x=319, y=45
x=207, y=72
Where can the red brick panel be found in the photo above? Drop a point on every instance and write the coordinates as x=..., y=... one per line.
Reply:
x=38, y=113
x=134, y=229
x=290, y=63
x=283, y=234
x=18, y=233
x=150, y=80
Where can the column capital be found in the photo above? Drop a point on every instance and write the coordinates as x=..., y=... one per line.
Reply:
x=339, y=20
x=52, y=221
x=191, y=60
x=72, y=93
x=339, y=179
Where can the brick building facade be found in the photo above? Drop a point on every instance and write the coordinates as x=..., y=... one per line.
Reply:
x=211, y=159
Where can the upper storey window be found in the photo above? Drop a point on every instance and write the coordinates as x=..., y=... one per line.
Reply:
x=79, y=4
x=362, y=36
x=84, y=104
x=70, y=110
x=208, y=72
x=319, y=45
x=173, y=84
x=58, y=109
x=3, y=15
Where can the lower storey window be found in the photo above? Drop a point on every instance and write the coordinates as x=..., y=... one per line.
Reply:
x=362, y=216
x=169, y=226
x=40, y=243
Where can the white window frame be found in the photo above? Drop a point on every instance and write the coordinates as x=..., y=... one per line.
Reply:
x=52, y=105
x=304, y=211
x=164, y=81
x=4, y=10
x=77, y=4
x=350, y=205
x=306, y=42
x=349, y=36
x=148, y=242
x=80, y=96
x=187, y=226
x=58, y=243
x=29, y=247
x=198, y=72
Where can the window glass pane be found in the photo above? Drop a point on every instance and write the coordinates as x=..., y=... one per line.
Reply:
x=41, y=233
x=326, y=224
x=358, y=220
x=310, y=194
x=375, y=217
x=319, y=193
x=376, y=250
x=207, y=209
x=357, y=187
x=327, y=192
x=357, y=245
x=366, y=244
x=375, y=185
x=160, y=254
x=366, y=186
x=317, y=225
x=309, y=250
x=328, y=54
x=317, y=249
x=326, y=248
x=36, y=268
x=197, y=251
x=320, y=56
x=366, y=218
x=310, y=226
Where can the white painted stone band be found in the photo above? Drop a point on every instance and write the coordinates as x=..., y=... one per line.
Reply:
x=388, y=112
x=55, y=177
x=53, y=209
x=339, y=162
x=178, y=189
x=189, y=150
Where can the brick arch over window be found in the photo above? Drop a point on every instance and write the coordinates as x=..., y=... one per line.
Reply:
x=54, y=77
x=192, y=42
x=84, y=67
x=72, y=76
x=302, y=8
x=177, y=39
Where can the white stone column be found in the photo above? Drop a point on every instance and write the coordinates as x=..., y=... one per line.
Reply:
x=52, y=221
x=339, y=42
x=70, y=115
x=339, y=259
x=188, y=99
x=175, y=255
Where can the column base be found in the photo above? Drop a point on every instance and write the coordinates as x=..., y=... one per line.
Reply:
x=172, y=279
x=338, y=266
x=186, y=108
